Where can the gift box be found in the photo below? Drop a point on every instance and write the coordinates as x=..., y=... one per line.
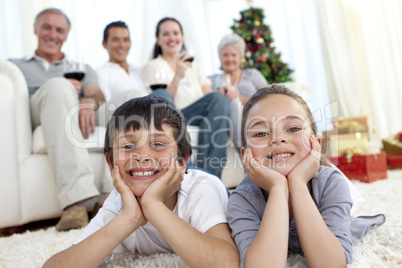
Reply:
x=365, y=168
x=336, y=145
x=357, y=121
x=394, y=161
x=392, y=145
x=346, y=130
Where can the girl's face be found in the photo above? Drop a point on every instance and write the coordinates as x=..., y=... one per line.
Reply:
x=230, y=59
x=169, y=37
x=278, y=131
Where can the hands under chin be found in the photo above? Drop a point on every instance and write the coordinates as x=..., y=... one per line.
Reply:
x=164, y=189
x=261, y=175
x=305, y=170
x=131, y=206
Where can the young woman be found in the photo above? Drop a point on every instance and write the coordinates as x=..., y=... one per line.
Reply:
x=192, y=93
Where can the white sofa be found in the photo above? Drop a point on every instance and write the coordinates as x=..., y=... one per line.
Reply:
x=27, y=187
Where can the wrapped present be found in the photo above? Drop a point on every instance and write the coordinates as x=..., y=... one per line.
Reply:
x=394, y=161
x=336, y=145
x=357, y=121
x=365, y=168
x=346, y=130
x=392, y=145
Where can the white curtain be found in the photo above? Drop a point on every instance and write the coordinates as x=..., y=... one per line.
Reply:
x=362, y=43
x=347, y=51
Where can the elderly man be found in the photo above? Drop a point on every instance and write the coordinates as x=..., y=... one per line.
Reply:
x=51, y=98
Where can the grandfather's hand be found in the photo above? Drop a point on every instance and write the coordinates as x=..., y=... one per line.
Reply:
x=77, y=85
x=87, y=116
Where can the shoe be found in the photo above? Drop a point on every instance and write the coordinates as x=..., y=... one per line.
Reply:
x=95, y=210
x=73, y=217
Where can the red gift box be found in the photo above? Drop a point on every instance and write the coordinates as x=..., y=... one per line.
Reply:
x=365, y=168
x=395, y=161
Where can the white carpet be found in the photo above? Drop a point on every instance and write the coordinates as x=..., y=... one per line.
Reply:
x=381, y=247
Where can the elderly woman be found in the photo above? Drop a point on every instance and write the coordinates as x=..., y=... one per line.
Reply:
x=237, y=84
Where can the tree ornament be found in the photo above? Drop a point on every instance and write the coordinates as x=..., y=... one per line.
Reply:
x=260, y=46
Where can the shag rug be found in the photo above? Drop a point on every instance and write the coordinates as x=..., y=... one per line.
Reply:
x=381, y=247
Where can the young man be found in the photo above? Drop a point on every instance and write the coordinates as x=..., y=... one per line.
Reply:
x=156, y=206
x=117, y=76
x=119, y=80
x=51, y=98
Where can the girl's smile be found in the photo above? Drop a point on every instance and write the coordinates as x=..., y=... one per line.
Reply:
x=277, y=133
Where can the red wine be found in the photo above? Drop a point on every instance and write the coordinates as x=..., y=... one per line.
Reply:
x=158, y=86
x=75, y=75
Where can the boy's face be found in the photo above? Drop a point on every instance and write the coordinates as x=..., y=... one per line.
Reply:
x=278, y=133
x=144, y=155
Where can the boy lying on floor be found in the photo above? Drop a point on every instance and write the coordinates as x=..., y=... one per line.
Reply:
x=156, y=207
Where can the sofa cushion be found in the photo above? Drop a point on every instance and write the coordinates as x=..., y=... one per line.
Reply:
x=94, y=143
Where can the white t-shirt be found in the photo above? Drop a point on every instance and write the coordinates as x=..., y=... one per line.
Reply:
x=114, y=80
x=201, y=202
x=189, y=89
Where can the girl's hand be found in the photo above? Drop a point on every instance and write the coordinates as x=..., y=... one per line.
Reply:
x=306, y=169
x=262, y=176
x=182, y=65
x=164, y=187
x=131, y=207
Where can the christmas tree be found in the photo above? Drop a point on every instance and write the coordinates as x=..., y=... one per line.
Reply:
x=260, y=46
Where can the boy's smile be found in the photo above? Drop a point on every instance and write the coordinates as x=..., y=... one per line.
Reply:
x=278, y=133
x=144, y=155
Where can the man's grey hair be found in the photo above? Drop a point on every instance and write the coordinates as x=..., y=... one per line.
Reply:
x=236, y=41
x=53, y=10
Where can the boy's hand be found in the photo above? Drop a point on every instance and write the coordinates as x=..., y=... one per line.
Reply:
x=164, y=187
x=261, y=175
x=131, y=207
x=306, y=169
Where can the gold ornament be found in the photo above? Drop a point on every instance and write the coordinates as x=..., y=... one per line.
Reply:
x=260, y=40
x=243, y=60
x=249, y=2
x=257, y=23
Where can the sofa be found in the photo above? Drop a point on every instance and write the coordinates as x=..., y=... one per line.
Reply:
x=27, y=186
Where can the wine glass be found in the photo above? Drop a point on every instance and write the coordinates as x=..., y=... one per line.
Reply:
x=74, y=70
x=159, y=81
x=189, y=48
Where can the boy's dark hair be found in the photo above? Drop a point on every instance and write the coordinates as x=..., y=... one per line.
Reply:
x=157, y=49
x=276, y=89
x=141, y=113
x=118, y=24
